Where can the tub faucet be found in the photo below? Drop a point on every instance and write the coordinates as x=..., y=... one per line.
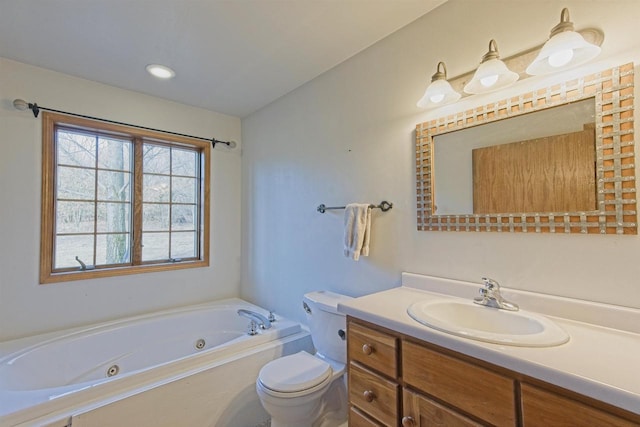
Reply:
x=261, y=320
x=491, y=297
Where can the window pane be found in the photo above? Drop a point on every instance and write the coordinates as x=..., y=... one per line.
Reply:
x=76, y=149
x=75, y=183
x=183, y=217
x=155, y=217
x=183, y=190
x=112, y=249
x=68, y=247
x=114, y=154
x=155, y=246
x=183, y=245
x=183, y=162
x=114, y=186
x=114, y=217
x=155, y=188
x=156, y=159
x=74, y=217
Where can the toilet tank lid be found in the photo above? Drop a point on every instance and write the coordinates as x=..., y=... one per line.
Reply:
x=326, y=300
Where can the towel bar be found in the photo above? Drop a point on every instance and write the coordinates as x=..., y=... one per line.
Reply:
x=384, y=205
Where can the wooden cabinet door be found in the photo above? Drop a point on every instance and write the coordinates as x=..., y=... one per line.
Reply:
x=358, y=419
x=475, y=390
x=541, y=408
x=419, y=411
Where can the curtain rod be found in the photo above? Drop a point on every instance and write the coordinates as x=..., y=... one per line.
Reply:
x=22, y=105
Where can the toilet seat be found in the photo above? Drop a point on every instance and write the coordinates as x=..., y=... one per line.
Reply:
x=295, y=374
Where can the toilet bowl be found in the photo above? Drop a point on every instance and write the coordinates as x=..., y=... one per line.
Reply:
x=305, y=390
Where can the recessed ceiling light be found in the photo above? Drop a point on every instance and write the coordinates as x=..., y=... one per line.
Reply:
x=160, y=71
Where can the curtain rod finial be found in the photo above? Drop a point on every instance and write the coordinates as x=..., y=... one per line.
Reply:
x=230, y=144
x=20, y=104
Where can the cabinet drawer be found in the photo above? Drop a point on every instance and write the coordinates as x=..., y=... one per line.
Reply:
x=422, y=412
x=373, y=349
x=373, y=394
x=358, y=419
x=475, y=390
x=544, y=408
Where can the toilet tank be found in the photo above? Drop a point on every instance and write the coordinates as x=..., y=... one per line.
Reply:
x=328, y=327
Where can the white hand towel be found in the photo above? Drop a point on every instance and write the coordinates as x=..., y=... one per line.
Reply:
x=357, y=230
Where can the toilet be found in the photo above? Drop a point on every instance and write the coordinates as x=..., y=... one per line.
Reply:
x=305, y=390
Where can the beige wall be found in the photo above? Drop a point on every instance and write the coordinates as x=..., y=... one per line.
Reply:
x=27, y=307
x=347, y=136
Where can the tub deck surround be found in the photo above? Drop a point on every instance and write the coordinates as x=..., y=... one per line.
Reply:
x=600, y=360
x=68, y=372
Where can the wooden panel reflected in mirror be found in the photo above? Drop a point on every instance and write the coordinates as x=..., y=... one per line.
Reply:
x=556, y=173
x=574, y=174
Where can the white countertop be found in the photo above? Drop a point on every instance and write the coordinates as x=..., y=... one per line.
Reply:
x=600, y=360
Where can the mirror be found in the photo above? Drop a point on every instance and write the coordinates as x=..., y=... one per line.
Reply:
x=538, y=162
x=559, y=159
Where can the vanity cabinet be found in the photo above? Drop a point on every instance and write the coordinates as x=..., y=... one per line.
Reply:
x=542, y=408
x=396, y=380
x=475, y=390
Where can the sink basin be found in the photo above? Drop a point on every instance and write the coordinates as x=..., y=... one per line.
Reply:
x=477, y=322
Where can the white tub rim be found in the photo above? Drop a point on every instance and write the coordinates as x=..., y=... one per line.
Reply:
x=33, y=341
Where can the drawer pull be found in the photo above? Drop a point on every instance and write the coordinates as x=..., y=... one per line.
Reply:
x=367, y=349
x=369, y=396
x=408, y=422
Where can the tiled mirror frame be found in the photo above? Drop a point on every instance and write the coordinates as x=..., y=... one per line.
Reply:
x=615, y=159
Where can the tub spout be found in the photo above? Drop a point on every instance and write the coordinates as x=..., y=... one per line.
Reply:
x=261, y=320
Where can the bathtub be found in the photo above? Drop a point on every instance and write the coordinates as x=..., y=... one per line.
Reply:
x=190, y=366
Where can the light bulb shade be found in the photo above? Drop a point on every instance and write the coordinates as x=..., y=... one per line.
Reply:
x=437, y=94
x=491, y=75
x=564, y=49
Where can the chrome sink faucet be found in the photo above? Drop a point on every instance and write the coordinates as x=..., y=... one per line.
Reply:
x=491, y=297
x=261, y=320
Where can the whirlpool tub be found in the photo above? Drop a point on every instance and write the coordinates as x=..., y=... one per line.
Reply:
x=190, y=366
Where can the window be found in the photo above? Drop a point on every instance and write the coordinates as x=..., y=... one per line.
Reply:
x=120, y=200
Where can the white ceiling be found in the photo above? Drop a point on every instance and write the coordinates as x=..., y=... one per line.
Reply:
x=230, y=56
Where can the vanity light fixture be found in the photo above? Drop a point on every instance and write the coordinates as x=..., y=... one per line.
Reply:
x=565, y=49
x=439, y=92
x=160, y=71
x=492, y=74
